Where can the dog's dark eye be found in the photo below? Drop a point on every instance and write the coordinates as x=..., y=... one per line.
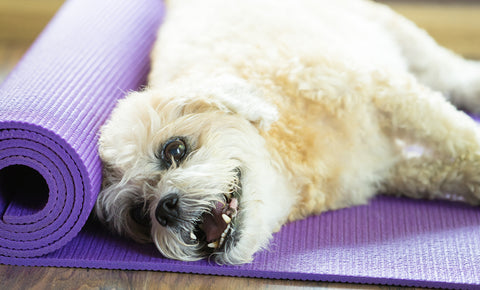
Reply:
x=139, y=215
x=174, y=151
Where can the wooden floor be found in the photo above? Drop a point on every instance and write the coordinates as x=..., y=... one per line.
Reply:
x=455, y=24
x=14, y=277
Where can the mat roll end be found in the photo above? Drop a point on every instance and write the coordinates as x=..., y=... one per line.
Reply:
x=51, y=108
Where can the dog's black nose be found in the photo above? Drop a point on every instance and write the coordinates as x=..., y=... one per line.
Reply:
x=167, y=210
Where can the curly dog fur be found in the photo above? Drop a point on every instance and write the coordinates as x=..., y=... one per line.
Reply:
x=261, y=112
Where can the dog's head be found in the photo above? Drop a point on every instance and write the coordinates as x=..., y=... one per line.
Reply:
x=192, y=174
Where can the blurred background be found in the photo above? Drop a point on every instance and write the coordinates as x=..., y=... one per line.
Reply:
x=20, y=23
x=453, y=23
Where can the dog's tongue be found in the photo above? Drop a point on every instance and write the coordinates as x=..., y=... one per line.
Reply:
x=213, y=223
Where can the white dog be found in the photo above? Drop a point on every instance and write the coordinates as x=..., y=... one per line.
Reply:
x=260, y=112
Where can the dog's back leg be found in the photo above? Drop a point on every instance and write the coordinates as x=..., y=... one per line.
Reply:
x=417, y=115
x=433, y=65
x=427, y=177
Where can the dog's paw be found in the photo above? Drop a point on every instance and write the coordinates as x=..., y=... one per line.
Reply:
x=462, y=179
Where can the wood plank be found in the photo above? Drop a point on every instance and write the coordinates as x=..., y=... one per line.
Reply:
x=16, y=277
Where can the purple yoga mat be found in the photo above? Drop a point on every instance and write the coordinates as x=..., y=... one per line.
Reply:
x=51, y=107
x=393, y=241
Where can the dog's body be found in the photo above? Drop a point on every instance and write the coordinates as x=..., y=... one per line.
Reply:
x=261, y=112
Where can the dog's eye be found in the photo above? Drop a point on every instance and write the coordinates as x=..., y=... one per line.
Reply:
x=139, y=215
x=174, y=151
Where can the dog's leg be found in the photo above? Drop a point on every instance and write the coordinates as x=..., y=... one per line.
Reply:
x=427, y=177
x=450, y=163
x=437, y=67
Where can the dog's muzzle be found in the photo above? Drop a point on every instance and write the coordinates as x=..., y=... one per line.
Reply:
x=215, y=228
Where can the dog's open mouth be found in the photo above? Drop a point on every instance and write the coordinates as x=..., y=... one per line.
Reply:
x=217, y=225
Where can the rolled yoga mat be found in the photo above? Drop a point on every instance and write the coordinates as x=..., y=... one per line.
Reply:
x=50, y=109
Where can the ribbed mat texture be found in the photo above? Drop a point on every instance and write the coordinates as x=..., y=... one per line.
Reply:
x=51, y=106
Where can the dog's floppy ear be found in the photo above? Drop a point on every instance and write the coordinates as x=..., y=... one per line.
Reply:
x=234, y=94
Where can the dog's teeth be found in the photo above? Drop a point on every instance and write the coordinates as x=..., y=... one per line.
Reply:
x=193, y=236
x=225, y=232
x=226, y=218
x=213, y=245
x=223, y=236
x=228, y=195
